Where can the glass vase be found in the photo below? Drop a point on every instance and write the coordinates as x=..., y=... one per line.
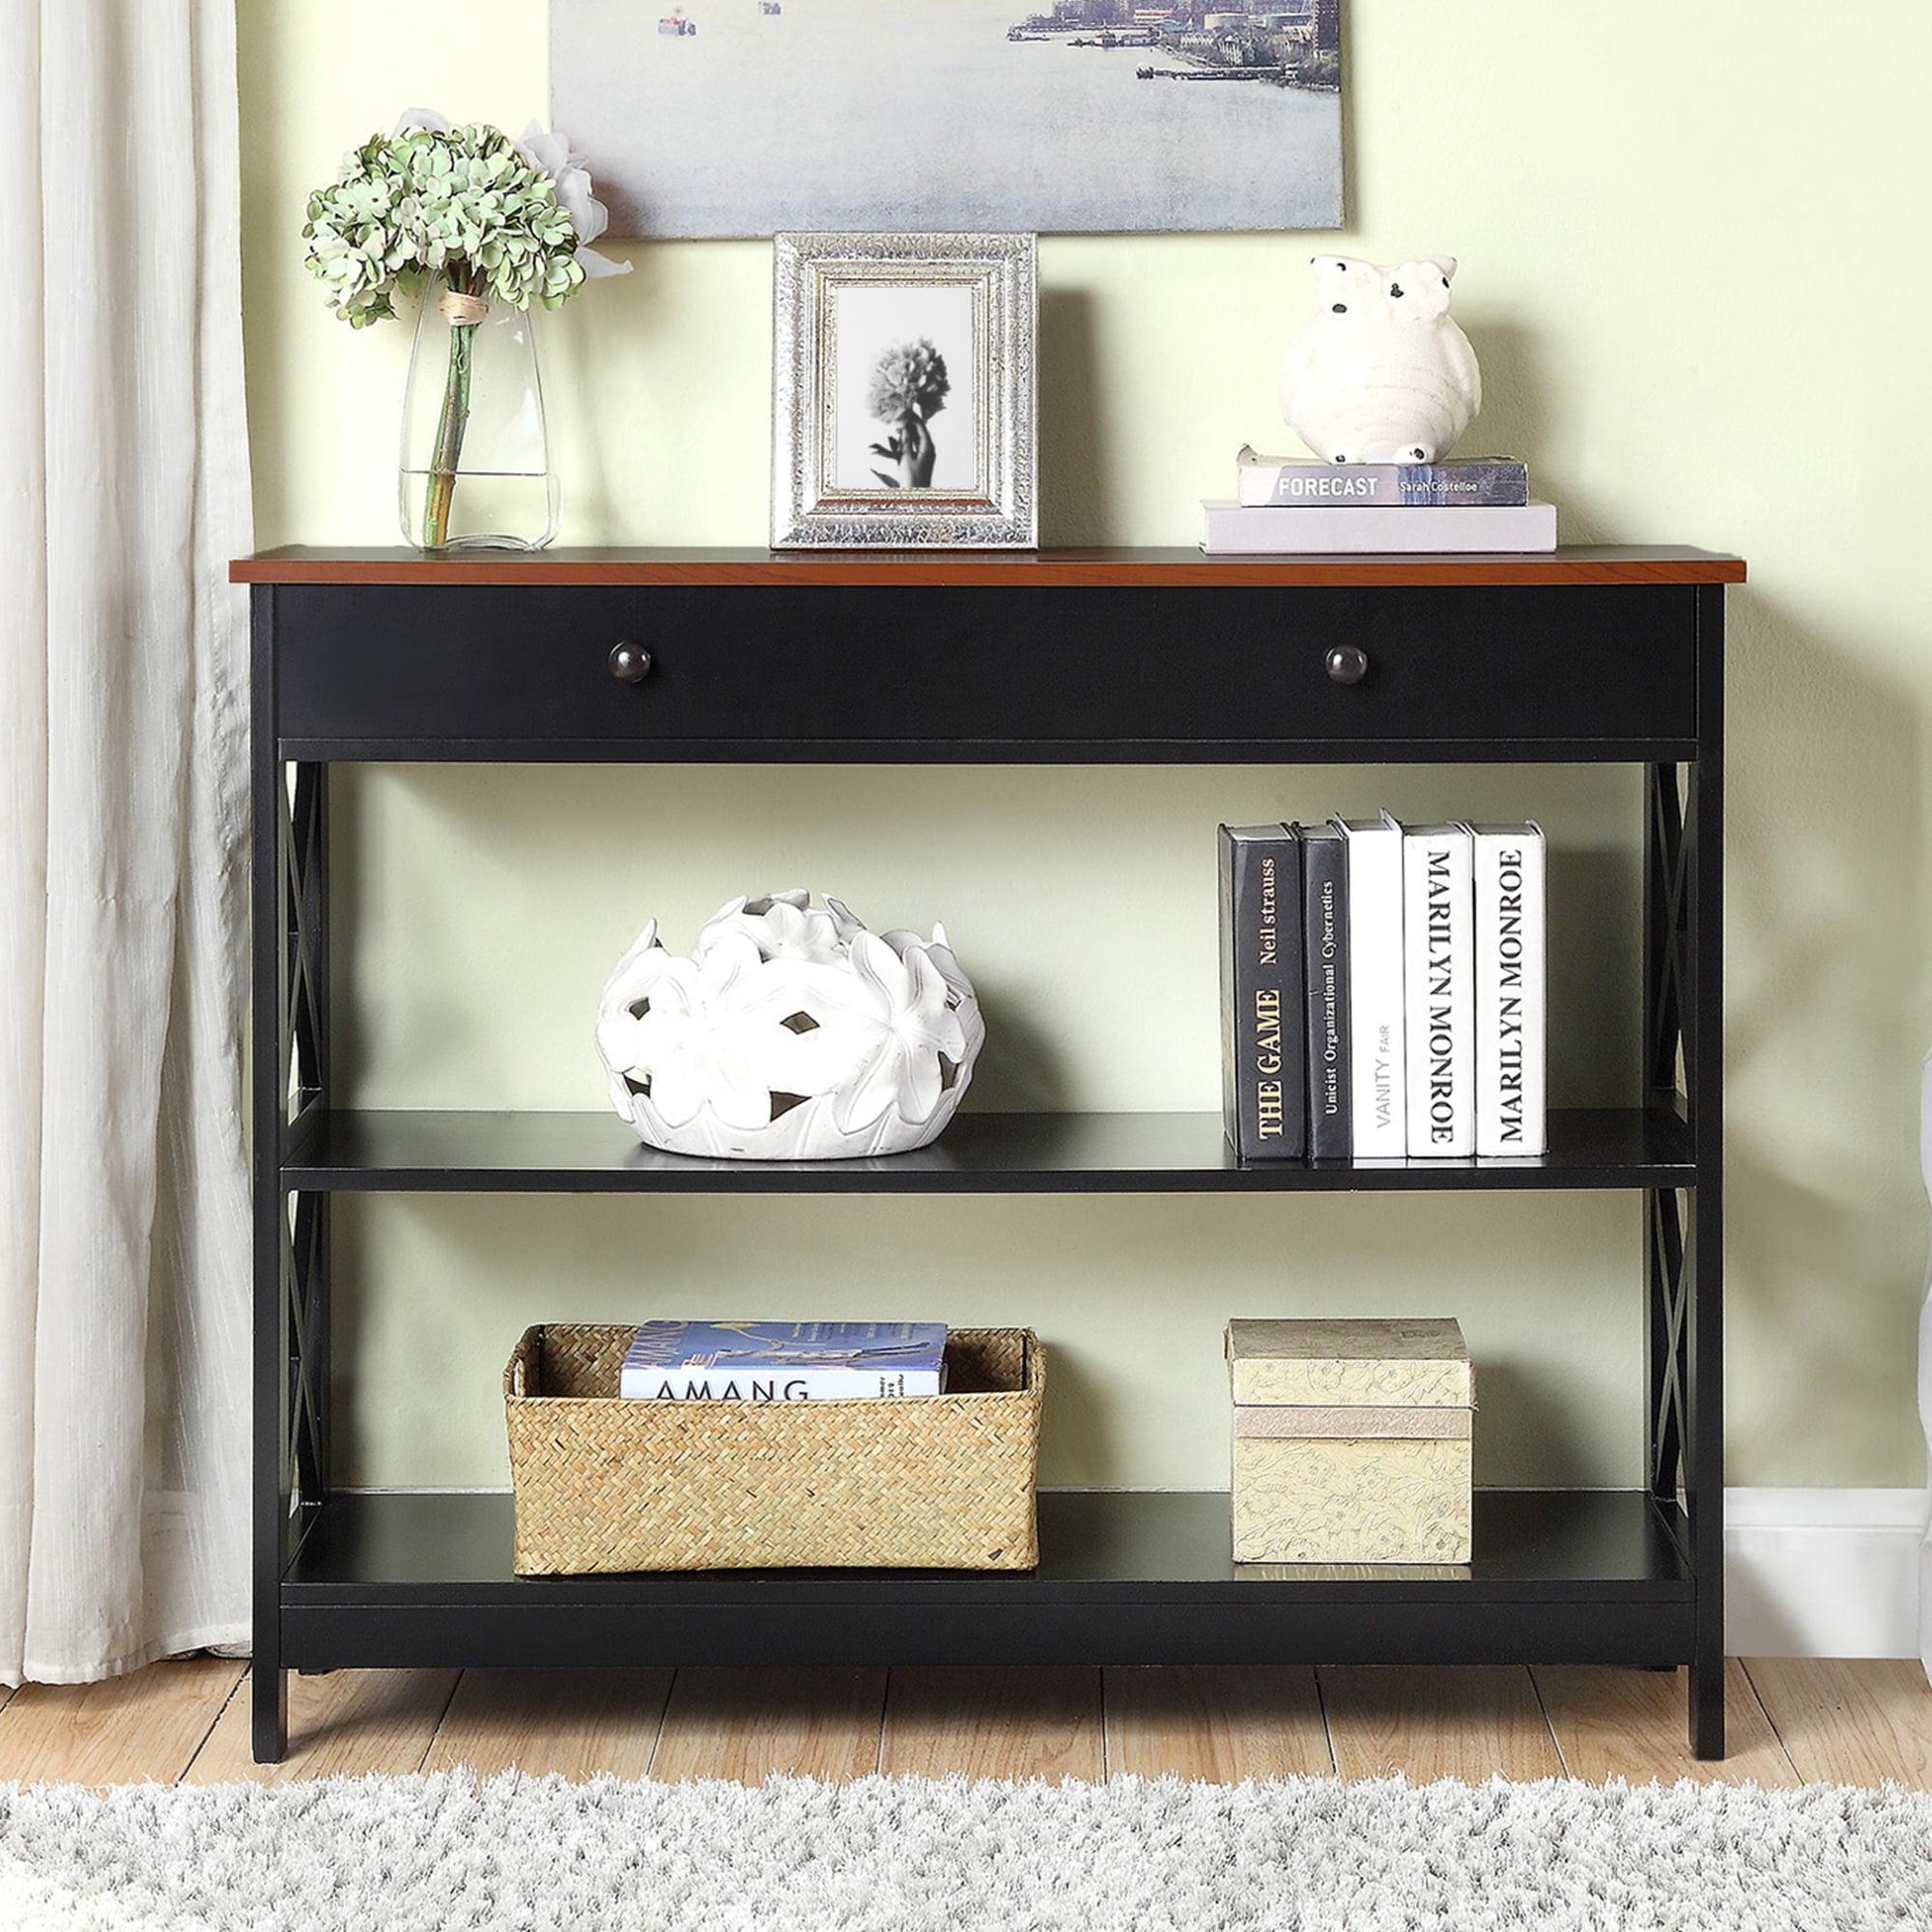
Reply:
x=475, y=468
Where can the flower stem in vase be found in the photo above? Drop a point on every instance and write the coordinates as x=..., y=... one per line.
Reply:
x=453, y=418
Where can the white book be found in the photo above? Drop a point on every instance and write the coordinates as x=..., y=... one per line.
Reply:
x=1511, y=997
x=1439, y=995
x=1379, y=1092
x=1347, y=529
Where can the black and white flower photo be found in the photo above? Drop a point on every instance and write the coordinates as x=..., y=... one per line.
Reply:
x=908, y=390
x=903, y=392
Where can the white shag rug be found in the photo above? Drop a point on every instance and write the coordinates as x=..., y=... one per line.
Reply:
x=913, y=1856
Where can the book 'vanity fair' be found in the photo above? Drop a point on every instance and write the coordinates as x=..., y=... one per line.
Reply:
x=1377, y=1077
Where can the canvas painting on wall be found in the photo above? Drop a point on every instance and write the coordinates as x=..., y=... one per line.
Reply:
x=754, y=117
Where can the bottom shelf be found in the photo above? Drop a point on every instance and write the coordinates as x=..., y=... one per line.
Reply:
x=1560, y=1575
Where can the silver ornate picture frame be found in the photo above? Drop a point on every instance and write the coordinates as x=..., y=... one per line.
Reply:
x=903, y=392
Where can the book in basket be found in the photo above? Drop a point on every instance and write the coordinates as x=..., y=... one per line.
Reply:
x=784, y=1361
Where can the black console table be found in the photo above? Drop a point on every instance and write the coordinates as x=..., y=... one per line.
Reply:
x=1098, y=657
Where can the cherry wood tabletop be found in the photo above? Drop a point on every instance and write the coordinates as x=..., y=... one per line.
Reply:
x=1599, y=564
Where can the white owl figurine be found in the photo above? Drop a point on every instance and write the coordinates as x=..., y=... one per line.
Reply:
x=1380, y=373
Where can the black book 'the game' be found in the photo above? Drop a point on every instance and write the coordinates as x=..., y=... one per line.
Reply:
x=1263, y=1029
x=1324, y=887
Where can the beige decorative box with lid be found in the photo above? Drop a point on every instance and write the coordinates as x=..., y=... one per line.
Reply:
x=1351, y=1441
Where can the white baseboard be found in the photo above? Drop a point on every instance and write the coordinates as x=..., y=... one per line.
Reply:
x=1822, y=1573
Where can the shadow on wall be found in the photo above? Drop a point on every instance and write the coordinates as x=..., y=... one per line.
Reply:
x=589, y=334
x=1079, y=1425
x=478, y=910
x=1826, y=941
x=1022, y=1065
x=1517, y=409
x=1595, y=958
x=1130, y=1293
x=1073, y=468
x=436, y=1030
x=1519, y=1406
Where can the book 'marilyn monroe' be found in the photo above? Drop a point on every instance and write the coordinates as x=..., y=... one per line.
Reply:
x=784, y=1361
x=1262, y=1027
x=1510, y=992
x=1438, y=914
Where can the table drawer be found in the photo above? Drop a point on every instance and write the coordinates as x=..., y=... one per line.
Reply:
x=958, y=673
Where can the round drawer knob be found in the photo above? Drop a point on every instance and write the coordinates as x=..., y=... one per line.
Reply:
x=1348, y=663
x=630, y=664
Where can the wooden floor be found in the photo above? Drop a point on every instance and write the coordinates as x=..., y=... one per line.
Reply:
x=1791, y=1722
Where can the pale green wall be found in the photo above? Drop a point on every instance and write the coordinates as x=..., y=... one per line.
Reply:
x=1694, y=271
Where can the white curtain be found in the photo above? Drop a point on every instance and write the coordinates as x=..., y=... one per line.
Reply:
x=123, y=489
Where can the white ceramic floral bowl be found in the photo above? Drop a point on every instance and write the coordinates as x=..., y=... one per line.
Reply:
x=790, y=1033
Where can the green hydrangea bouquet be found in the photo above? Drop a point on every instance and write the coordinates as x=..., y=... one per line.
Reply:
x=496, y=220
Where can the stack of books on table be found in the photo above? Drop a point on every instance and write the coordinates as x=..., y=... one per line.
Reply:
x=1288, y=506
x=1383, y=990
x=784, y=1361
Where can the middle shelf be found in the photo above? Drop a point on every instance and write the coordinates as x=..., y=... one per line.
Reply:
x=536, y=1153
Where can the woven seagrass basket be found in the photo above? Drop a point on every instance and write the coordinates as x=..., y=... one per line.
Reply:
x=942, y=1481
